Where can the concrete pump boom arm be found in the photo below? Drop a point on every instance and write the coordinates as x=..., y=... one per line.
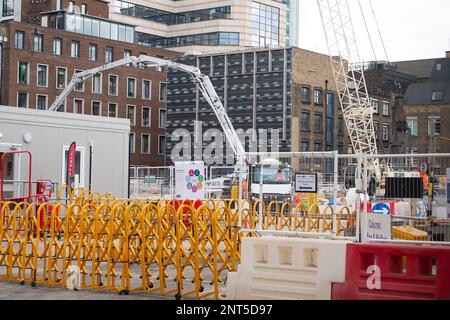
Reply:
x=202, y=81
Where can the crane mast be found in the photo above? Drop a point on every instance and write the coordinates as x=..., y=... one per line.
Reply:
x=350, y=81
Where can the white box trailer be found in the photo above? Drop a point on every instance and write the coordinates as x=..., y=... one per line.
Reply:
x=102, y=152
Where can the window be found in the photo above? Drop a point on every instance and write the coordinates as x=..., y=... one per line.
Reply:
x=79, y=86
x=78, y=106
x=317, y=146
x=109, y=54
x=304, y=146
x=75, y=49
x=127, y=53
x=145, y=143
x=163, y=91
x=57, y=46
x=437, y=96
x=42, y=75
x=375, y=106
x=162, y=145
x=318, y=97
x=22, y=76
x=146, y=114
x=92, y=52
x=146, y=89
x=132, y=142
x=8, y=8
x=96, y=108
x=265, y=25
x=84, y=9
x=22, y=100
x=19, y=40
x=413, y=125
x=41, y=102
x=341, y=125
x=131, y=88
x=385, y=132
x=61, y=78
x=132, y=114
x=97, y=83
x=318, y=123
x=434, y=126
x=305, y=122
x=376, y=127
x=386, y=108
x=112, y=110
x=438, y=67
x=162, y=118
x=306, y=92
x=112, y=85
x=38, y=44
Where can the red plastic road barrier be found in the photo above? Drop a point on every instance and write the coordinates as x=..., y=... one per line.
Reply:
x=407, y=273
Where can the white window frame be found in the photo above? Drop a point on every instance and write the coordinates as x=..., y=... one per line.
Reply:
x=112, y=54
x=161, y=82
x=117, y=85
x=82, y=105
x=135, y=87
x=159, y=122
x=37, y=75
x=101, y=83
x=149, y=117
x=56, y=78
x=386, y=106
x=78, y=53
x=28, y=73
x=93, y=45
x=416, y=121
x=92, y=108
x=60, y=48
x=376, y=106
x=133, y=144
x=117, y=109
x=46, y=101
x=159, y=144
x=82, y=83
x=64, y=164
x=28, y=100
x=149, y=143
x=42, y=42
x=134, y=118
x=150, y=90
x=386, y=134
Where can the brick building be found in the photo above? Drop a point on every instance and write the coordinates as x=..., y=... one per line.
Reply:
x=262, y=89
x=387, y=88
x=427, y=108
x=39, y=61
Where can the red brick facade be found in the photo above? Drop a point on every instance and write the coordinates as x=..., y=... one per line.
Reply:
x=31, y=10
x=11, y=86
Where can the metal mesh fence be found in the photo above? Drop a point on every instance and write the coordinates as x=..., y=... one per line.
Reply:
x=151, y=183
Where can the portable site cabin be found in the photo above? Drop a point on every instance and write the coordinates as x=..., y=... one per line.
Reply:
x=101, y=158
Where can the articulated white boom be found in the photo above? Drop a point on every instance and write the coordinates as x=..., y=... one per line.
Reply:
x=203, y=82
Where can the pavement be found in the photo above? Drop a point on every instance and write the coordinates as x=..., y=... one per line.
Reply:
x=15, y=291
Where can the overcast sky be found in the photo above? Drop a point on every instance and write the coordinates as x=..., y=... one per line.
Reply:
x=411, y=29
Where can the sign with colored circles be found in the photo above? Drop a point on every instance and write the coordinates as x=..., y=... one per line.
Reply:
x=189, y=180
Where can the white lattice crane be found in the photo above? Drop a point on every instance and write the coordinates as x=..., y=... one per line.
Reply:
x=350, y=81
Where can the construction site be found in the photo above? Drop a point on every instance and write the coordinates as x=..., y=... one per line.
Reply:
x=280, y=223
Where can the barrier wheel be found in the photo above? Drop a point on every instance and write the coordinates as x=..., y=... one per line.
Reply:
x=22, y=283
x=124, y=292
x=33, y=284
x=178, y=296
x=201, y=289
x=101, y=284
x=151, y=286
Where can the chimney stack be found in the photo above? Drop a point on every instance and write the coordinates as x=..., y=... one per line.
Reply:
x=447, y=54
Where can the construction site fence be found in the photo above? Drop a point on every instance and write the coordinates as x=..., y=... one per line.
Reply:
x=166, y=248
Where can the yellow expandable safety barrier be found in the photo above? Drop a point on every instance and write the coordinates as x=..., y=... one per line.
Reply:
x=138, y=245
